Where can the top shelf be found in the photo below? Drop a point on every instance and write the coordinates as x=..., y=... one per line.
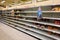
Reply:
x=37, y=4
x=36, y=12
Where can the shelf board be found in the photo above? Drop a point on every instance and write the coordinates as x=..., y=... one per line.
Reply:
x=52, y=30
x=17, y=34
x=42, y=17
x=31, y=33
x=51, y=24
x=31, y=12
x=41, y=32
x=51, y=18
x=34, y=34
x=37, y=27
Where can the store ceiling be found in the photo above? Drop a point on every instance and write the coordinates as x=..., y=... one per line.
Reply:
x=11, y=2
x=7, y=2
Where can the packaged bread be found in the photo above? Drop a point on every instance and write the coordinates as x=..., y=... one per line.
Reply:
x=59, y=8
x=55, y=9
x=49, y=27
x=55, y=29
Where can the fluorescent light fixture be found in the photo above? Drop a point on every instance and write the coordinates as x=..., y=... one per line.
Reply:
x=3, y=1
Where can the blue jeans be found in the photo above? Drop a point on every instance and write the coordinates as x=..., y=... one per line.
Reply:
x=39, y=17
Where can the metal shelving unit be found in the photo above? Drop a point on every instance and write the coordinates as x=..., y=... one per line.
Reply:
x=24, y=29
x=26, y=20
x=27, y=24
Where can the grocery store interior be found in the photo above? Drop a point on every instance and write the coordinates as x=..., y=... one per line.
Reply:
x=29, y=19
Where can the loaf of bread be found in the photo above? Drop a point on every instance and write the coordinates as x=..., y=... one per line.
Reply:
x=56, y=9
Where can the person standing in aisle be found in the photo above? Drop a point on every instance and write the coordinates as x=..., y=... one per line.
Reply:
x=39, y=13
x=39, y=17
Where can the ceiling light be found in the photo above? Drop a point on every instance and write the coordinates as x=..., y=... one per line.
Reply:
x=3, y=1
